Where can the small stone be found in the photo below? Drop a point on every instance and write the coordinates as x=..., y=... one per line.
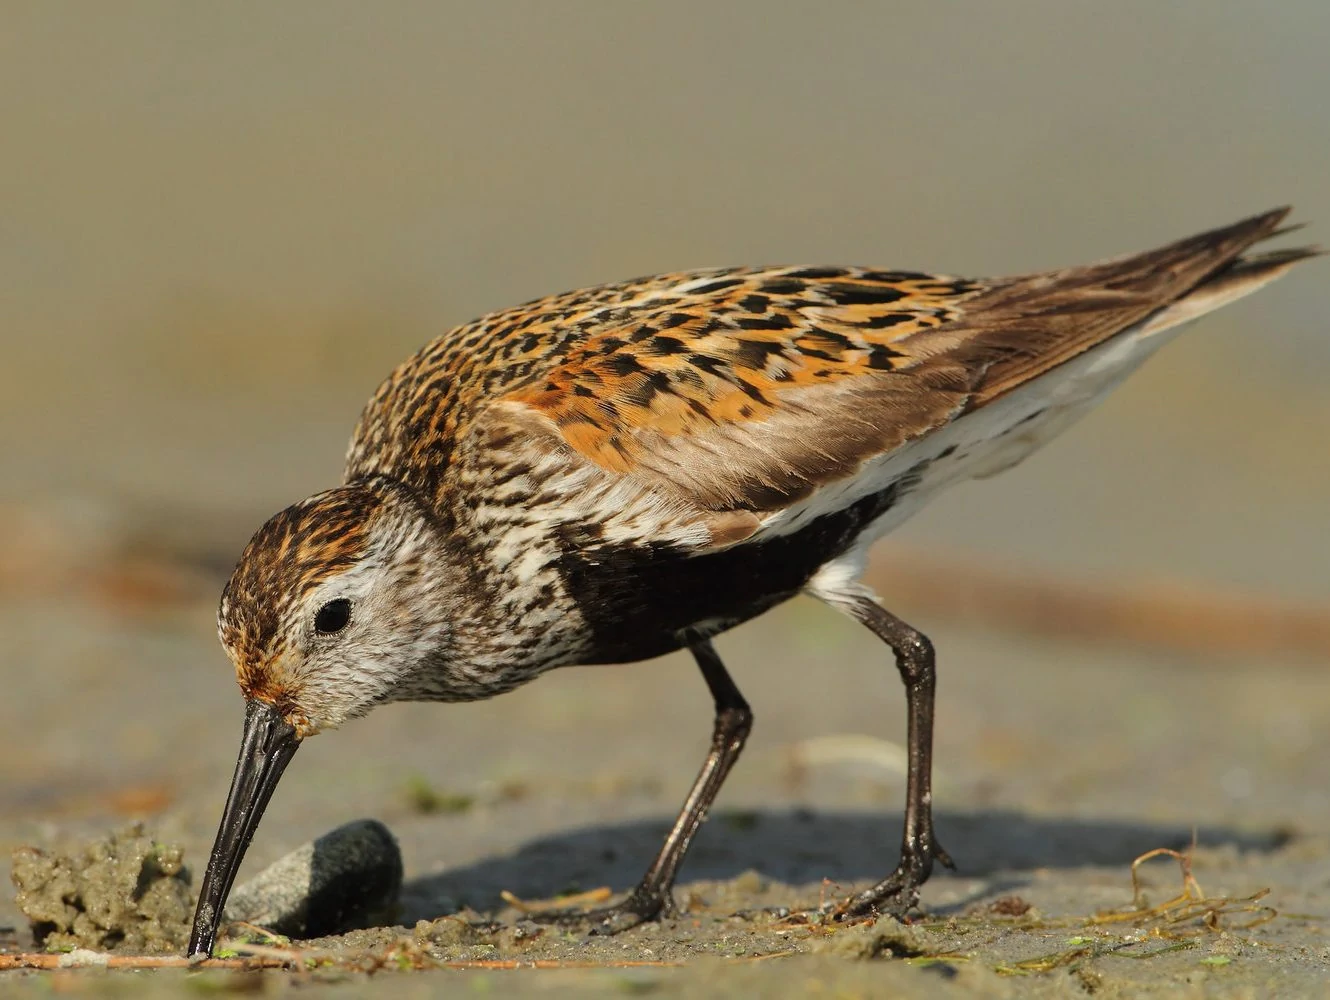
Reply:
x=345, y=880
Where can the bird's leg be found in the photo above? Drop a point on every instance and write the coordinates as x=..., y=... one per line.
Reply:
x=652, y=898
x=899, y=892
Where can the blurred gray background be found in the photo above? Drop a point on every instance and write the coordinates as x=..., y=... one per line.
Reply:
x=222, y=224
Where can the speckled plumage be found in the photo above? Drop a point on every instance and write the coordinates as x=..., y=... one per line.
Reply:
x=612, y=473
x=670, y=355
x=648, y=377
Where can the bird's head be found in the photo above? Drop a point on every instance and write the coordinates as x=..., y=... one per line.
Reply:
x=335, y=605
x=339, y=603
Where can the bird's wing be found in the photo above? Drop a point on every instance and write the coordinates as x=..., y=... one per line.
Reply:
x=747, y=391
x=751, y=397
x=616, y=370
x=729, y=395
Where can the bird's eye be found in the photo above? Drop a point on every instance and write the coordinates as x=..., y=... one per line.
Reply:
x=333, y=616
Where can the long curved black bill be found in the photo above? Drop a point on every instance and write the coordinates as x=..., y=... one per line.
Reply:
x=268, y=745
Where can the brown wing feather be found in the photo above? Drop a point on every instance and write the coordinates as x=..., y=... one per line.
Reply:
x=837, y=384
x=1027, y=326
x=751, y=398
x=746, y=389
x=670, y=357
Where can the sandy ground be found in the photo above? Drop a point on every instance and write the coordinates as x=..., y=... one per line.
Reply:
x=1058, y=764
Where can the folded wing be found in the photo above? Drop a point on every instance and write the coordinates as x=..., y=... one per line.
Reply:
x=748, y=390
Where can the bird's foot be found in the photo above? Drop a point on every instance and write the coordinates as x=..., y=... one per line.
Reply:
x=898, y=893
x=638, y=907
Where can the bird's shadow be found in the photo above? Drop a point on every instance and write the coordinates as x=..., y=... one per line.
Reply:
x=800, y=847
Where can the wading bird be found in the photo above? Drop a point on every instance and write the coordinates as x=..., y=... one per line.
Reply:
x=610, y=474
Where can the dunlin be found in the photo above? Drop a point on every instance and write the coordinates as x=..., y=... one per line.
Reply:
x=610, y=474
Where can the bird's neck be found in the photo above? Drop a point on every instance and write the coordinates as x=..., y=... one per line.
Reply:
x=508, y=615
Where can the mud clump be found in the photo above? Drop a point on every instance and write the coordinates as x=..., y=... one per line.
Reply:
x=123, y=891
x=887, y=937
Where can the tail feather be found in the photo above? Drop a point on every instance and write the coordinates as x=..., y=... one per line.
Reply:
x=1026, y=326
x=1292, y=227
x=1244, y=276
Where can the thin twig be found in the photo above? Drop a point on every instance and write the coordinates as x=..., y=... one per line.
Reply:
x=45, y=960
x=598, y=895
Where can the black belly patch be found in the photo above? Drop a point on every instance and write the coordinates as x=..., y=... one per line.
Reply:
x=638, y=599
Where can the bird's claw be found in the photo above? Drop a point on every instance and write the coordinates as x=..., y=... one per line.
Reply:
x=639, y=907
x=898, y=893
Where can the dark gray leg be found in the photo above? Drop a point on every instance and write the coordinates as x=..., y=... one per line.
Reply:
x=652, y=898
x=899, y=891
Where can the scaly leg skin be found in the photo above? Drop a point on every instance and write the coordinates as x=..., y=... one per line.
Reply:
x=898, y=893
x=653, y=897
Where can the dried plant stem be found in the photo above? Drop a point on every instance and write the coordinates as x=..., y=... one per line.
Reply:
x=45, y=960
